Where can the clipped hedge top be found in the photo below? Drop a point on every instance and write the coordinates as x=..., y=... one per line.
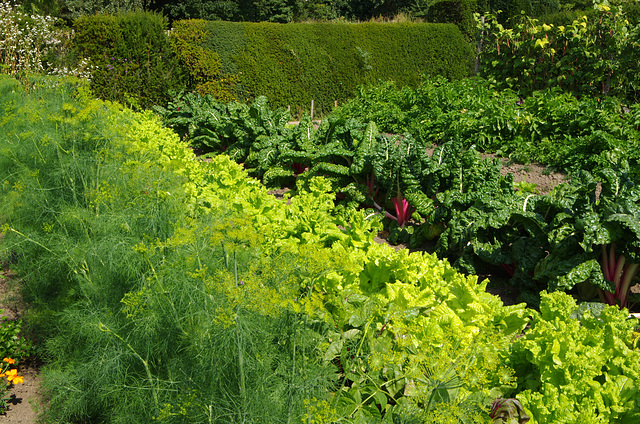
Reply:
x=292, y=64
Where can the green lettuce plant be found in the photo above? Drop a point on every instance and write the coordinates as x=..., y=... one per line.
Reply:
x=576, y=370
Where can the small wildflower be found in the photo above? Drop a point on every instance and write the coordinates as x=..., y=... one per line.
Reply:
x=9, y=361
x=11, y=374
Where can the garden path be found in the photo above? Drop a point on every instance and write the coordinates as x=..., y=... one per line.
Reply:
x=25, y=398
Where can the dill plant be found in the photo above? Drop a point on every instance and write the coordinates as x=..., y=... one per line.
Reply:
x=154, y=310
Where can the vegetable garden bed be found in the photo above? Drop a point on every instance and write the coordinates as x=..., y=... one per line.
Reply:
x=178, y=290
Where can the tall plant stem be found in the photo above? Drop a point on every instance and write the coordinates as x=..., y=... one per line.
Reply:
x=293, y=373
x=137, y=355
x=30, y=239
x=243, y=387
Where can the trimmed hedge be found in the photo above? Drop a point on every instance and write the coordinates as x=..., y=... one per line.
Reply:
x=132, y=56
x=292, y=64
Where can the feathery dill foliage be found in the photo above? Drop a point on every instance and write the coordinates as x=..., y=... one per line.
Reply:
x=152, y=315
x=70, y=199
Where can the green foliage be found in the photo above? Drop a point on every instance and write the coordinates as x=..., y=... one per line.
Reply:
x=202, y=64
x=101, y=222
x=239, y=11
x=131, y=55
x=577, y=371
x=510, y=12
x=13, y=344
x=590, y=56
x=541, y=241
x=408, y=344
x=550, y=127
x=459, y=12
x=75, y=9
x=234, y=128
x=283, y=11
x=294, y=64
x=178, y=290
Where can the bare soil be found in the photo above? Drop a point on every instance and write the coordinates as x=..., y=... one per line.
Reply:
x=544, y=179
x=24, y=399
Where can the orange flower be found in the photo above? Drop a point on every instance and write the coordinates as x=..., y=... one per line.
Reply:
x=9, y=361
x=11, y=375
x=18, y=379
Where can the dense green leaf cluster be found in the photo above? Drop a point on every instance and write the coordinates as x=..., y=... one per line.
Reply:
x=577, y=370
x=595, y=55
x=131, y=55
x=550, y=127
x=152, y=308
x=553, y=241
x=296, y=63
x=459, y=12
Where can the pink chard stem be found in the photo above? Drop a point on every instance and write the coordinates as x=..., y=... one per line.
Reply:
x=630, y=272
x=618, y=272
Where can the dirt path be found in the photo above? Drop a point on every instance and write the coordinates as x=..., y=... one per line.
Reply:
x=24, y=398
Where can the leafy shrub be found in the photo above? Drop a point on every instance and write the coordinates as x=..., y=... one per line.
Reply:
x=132, y=58
x=510, y=12
x=459, y=12
x=71, y=10
x=532, y=56
x=203, y=65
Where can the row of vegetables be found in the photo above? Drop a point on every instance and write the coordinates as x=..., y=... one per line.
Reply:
x=171, y=289
x=583, y=236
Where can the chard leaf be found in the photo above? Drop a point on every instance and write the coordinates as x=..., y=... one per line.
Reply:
x=334, y=350
x=562, y=272
x=594, y=233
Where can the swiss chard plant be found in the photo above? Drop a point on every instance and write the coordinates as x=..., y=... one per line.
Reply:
x=595, y=238
x=549, y=126
x=213, y=126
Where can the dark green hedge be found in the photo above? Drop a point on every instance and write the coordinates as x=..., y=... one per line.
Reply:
x=292, y=64
x=132, y=56
x=459, y=12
